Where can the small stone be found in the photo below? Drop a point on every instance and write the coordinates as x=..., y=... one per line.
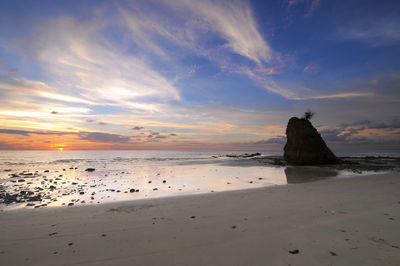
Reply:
x=90, y=169
x=70, y=204
x=70, y=244
x=193, y=217
x=233, y=226
x=333, y=253
x=294, y=251
x=132, y=190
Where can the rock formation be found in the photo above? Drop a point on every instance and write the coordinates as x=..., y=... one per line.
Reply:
x=305, y=145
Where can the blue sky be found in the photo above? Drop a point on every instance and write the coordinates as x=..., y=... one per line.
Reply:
x=197, y=74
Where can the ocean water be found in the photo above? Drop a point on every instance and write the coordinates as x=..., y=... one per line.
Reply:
x=61, y=179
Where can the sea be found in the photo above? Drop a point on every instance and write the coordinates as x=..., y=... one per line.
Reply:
x=44, y=179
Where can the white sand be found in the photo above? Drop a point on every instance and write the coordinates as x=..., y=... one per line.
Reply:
x=358, y=219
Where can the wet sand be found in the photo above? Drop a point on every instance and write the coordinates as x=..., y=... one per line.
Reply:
x=354, y=221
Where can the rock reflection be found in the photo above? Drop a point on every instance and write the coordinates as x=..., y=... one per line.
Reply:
x=302, y=174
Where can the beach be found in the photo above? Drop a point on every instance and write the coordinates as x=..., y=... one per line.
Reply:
x=350, y=221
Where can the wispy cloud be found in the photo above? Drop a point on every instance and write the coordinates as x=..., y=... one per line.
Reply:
x=376, y=32
x=75, y=52
x=235, y=21
x=312, y=5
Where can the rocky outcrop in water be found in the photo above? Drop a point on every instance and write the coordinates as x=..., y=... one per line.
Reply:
x=305, y=145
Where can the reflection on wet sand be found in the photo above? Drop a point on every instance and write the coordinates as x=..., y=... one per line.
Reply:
x=302, y=174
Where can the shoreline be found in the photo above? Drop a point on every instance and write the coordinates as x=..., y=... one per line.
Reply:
x=357, y=219
x=302, y=177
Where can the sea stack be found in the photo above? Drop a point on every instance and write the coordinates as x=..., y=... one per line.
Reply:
x=305, y=145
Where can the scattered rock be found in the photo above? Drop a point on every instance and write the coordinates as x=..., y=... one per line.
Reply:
x=90, y=169
x=132, y=190
x=294, y=251
x=333, y=253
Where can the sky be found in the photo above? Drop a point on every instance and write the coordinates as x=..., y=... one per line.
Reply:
x=186, y=74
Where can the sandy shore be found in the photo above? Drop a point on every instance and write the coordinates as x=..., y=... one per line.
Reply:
x=334, y=222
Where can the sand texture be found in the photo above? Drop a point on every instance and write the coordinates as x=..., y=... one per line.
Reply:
x=354, y=221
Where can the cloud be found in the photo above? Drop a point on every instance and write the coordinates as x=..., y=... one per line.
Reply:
x=310, y=69
x=375, y=31
x=29, y=132
x=267, y=70
x=336, y=95
x=102, y=123
x=235, y=21
x=104, y=137
x=137, y=128
x=277, y=140
x=312, y=5
x=230, y=21
x=26, y=87
x=96, y=67
x=22, y=86
x=394, y=124
x=13, y=70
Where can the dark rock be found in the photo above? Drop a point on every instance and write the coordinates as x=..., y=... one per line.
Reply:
x=305, y=145
x=246, y=155
x=294, y=251
x=90, y=169
x=132, y=190
x=333, y=253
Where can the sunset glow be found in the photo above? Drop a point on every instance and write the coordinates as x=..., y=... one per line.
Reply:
x=173, y=75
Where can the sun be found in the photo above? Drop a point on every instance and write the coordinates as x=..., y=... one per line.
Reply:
x=60, y=147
